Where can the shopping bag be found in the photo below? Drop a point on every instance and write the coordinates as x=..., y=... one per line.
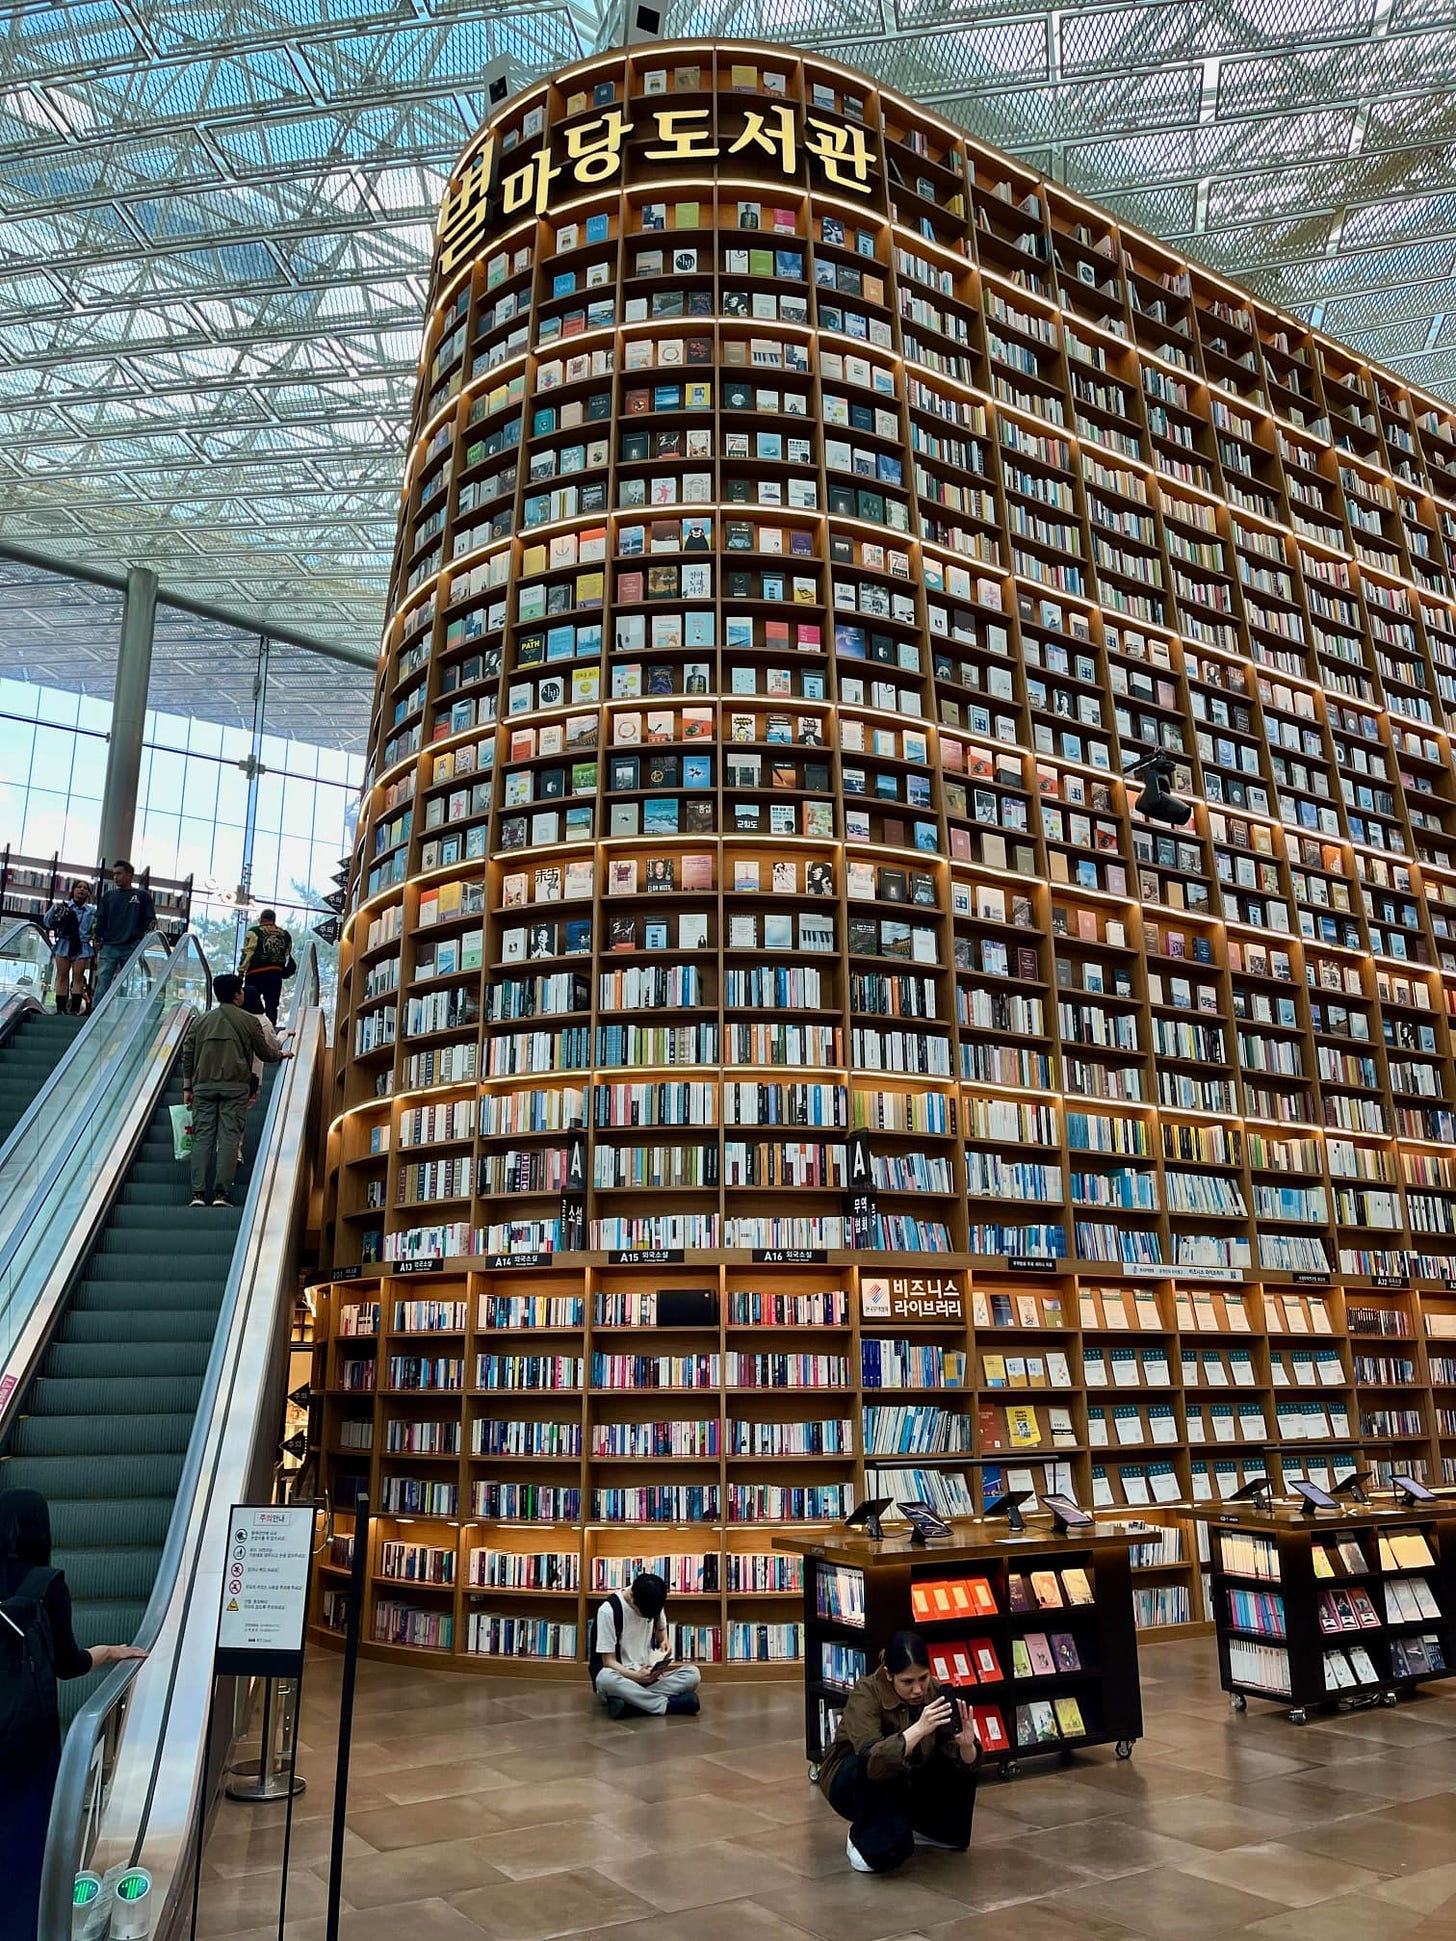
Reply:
x=181, y=1130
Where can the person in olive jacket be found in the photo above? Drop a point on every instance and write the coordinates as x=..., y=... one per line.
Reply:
x=217, y=1081
x=902, y=1766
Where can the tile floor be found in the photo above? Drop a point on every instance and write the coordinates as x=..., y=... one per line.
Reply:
x=518, y=1811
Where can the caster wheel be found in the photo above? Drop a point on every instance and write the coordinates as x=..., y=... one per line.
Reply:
x=813, y=1775
x=1298, y=1716
x=1390, y=1698
x=1238, y=1702
x=1009, y=1769
x=1124, y=1748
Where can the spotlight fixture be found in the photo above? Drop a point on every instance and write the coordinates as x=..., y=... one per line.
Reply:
x=1157, y=801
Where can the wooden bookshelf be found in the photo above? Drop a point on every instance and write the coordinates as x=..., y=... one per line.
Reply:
x=1371, y=1590
x=798, y=544
x=1018, y=1601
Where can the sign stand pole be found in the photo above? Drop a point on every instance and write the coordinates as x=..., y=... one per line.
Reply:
x=262, y=1613
x=352, y=1622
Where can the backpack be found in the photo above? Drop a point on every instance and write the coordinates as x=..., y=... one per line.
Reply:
x=29, y=1712
x=594, y=1657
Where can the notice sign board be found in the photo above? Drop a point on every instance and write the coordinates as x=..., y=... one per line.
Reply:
x=265, y=1590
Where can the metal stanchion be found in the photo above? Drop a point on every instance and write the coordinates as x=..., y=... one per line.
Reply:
x=274, y=1775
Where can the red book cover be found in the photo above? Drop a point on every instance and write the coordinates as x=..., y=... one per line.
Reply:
x=992, y=1728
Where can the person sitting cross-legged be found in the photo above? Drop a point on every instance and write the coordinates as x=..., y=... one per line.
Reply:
x=632, y=1663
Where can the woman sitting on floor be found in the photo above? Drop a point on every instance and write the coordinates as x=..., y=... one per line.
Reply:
x=902, y=1767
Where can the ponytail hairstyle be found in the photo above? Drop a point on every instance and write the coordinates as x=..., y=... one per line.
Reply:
x=905, y=1650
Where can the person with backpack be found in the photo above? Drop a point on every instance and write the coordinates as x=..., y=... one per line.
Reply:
x=69, y=923
x=266, y=960
x=902, y=1765
x=37, y=1646
x=632, y=1666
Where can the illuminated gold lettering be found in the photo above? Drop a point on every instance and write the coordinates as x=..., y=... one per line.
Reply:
x=465, y=209
x=528, y=187
x=774, y=133
x=682, y=143
x=597, y=157
x=839, y=148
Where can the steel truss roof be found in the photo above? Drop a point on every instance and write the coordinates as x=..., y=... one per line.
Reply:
x=215, y=224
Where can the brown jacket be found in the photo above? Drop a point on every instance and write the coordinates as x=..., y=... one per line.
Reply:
x=874, y=1722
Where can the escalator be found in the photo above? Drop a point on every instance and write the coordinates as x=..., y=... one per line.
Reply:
x=29, y=1054
x=143, y=1365
x=103, y=1427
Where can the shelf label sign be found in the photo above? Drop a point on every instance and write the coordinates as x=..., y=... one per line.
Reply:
x=518, y=1260
x=1033, y=1263
x=645, y=1256
x=265, y=1589
x=421, y=1264
x=911, y=1297
x=347, y=1274
x=790, y=1256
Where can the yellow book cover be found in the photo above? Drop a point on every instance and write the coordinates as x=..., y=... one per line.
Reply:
x=993, y=1370
x=1069, y=1718
x=1022, y=1427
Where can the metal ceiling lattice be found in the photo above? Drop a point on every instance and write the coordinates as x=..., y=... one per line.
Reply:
x=215, y=225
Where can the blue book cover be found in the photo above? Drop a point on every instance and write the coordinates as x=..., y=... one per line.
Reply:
x=597, y=229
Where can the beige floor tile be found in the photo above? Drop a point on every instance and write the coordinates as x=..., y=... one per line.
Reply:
x=570, y=1903
x=438, y=1871
x=1283, y=1873
x=722, y=1870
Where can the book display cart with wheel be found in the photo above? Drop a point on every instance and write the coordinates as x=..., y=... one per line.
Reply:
x=1035, y=1632
x=1342, y=1609
x=811, y=518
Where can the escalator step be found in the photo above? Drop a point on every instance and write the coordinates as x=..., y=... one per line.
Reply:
x=69, y=1360
x=112, y=1621
x=82, y=1525
x=59, y=1478
x=84, y=1326
x=115, y=1572
x=117, y=1294
x=155, y=1265
x=131, y=1391
x=211, y=1230
x=148, y=1196
x=163, y=1437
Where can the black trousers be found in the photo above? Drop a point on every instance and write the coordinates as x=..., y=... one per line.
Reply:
x=269, y=986
x=936, y=1798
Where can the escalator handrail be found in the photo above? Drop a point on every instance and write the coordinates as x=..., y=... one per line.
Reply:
x=61, y=1138
x=15, y=1003
x=63, y=1845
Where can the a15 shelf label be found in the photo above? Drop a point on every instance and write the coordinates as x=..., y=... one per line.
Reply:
x=645, y=1256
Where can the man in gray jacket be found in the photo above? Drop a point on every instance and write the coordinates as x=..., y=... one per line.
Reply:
x=217, y=1082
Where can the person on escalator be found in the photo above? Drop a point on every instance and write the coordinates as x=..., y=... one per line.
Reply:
x=37, y=1646
x=253, y=1005
x=69, y=923
x=123, y=917
x=217, y=1083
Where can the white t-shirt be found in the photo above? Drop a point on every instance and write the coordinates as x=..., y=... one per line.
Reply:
x=635, y=1649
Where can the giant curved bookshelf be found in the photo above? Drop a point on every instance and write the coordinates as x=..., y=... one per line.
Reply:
x=774, y=1061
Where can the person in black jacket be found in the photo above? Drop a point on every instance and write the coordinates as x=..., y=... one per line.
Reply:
x=28, y=1772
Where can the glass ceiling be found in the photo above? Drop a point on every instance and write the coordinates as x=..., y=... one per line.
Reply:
x=215, y=225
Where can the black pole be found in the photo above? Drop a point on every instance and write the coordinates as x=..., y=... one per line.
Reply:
x=352, y=1622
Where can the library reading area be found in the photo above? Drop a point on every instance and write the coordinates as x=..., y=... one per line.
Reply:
x=894, y=1060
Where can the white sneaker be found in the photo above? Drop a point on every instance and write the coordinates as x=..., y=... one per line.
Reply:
x=856, y=1859
x=940, y=1846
